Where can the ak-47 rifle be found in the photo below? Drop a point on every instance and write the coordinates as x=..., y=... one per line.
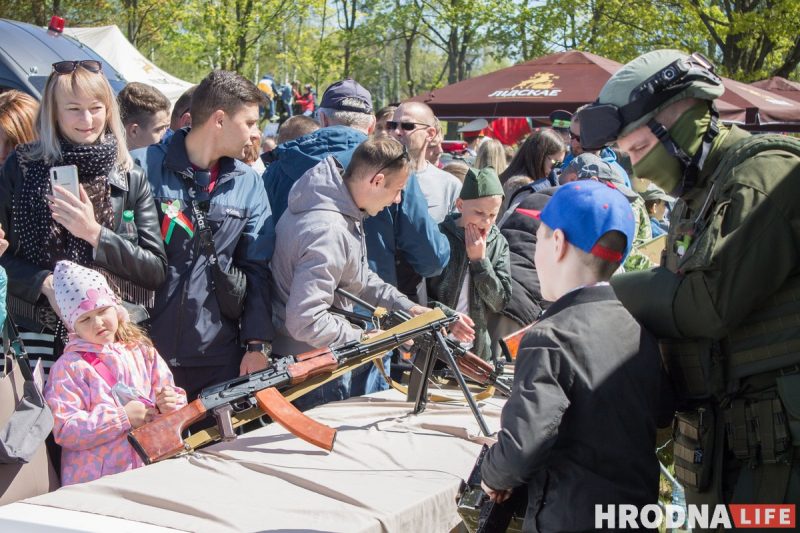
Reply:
x=161, y=438
x=473, y=367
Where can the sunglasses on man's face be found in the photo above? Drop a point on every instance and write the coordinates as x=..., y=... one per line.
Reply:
x=574, y=137
x=68, y=67
x=408, y=126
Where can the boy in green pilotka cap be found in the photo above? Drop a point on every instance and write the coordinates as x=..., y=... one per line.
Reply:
x=477, y=281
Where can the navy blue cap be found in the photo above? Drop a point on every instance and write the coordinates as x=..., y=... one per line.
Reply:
x=587, y=210
x=347, y=95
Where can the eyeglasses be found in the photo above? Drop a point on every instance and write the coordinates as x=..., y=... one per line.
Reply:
x=68, y=67
x=408, y=126
x=574, y=137
x=555, y=163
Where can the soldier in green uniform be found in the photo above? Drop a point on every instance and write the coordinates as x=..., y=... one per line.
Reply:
x=725, y=302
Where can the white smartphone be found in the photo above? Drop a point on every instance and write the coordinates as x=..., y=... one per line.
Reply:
x=66, y=177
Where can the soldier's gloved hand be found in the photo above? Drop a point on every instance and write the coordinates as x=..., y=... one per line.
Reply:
x=648, y=295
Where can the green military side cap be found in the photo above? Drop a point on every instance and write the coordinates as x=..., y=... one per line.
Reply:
x=480, y=183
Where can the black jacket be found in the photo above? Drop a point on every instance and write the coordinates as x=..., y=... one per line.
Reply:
x=526, y=301
x=580, y=425
x=144, y=264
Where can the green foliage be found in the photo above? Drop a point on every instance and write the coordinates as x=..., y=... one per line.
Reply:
x=399, y=48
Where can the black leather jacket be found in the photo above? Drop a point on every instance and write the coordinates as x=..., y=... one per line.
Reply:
x=144, y=264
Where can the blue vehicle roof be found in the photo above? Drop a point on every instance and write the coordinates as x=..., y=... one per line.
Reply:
x=27, y=53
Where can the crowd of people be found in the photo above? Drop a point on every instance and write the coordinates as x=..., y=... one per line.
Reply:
x=196, y=251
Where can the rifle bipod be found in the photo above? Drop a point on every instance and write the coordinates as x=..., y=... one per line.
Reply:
x=422, y=374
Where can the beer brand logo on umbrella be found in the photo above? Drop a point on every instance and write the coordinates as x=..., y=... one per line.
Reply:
x=539, y=85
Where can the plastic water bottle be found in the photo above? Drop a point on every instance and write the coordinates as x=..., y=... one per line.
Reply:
x=128, y=229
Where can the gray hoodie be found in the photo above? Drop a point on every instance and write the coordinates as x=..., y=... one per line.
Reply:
x=320, y=246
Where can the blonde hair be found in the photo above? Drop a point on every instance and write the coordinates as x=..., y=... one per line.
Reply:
x=492, y=154
x=129, y=334
x=17, y=116
x=93, y=84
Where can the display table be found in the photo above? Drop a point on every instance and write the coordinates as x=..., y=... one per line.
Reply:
x=389, y=471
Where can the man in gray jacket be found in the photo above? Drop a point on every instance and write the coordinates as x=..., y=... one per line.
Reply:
x=321, y=246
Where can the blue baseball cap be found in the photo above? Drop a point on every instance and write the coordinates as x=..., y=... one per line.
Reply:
x=587, y=210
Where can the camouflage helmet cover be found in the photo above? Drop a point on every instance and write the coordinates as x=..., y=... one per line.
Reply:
x=619, y=88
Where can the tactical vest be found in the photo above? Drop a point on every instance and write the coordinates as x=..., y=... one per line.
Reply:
x=767, y=339
x=761, y=354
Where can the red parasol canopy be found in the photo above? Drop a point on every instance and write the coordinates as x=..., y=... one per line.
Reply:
x=567, y=80
x=535, y=88
x=780, y=86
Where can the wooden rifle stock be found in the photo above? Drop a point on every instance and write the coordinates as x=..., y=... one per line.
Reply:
x=510, y=343
x=475, y=368
x=161, y=438
x=315, y=362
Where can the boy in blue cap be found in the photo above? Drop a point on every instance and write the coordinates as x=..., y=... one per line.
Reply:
x=580, y=426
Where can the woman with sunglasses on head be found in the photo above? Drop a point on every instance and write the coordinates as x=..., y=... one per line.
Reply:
x=78, y=124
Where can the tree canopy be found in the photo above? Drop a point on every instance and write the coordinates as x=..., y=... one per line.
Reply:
x=398, y=48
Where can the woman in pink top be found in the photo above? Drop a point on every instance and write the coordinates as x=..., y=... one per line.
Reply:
x=109, y=380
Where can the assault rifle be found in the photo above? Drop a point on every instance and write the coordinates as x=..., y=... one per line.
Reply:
x=473, y=367
x=161, y=438
x=481, y=515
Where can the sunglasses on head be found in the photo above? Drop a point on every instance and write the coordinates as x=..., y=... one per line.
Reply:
x=403, y=155
x=408, y=126
x=68, y=67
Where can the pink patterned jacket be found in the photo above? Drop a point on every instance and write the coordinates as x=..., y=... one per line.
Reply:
x=90, y=424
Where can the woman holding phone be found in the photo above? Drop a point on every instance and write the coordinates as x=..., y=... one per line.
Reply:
x=78, y=124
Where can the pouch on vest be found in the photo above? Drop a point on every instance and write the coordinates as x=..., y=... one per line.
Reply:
x=691, y=366
x=757, y=430
x=789, y=392
x=693, y=446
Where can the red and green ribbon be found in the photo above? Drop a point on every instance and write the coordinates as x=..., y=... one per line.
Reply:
x=173, y=216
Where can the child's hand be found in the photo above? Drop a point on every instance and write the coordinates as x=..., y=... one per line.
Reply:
x=496, y=496
x=137, y=413
x=462, y=328
x=167, y=400
x=475, y=241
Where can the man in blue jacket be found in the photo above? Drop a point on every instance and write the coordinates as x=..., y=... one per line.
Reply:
x=197, y=173
x=403, y=229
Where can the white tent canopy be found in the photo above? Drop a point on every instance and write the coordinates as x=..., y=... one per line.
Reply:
x=111, y=44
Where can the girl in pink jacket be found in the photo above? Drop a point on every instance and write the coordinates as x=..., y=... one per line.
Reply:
x=109, y=380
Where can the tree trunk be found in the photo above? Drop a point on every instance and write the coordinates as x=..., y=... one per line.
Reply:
x=791, y=61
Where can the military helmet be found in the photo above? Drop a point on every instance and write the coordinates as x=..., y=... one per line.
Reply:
x=642, y=88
